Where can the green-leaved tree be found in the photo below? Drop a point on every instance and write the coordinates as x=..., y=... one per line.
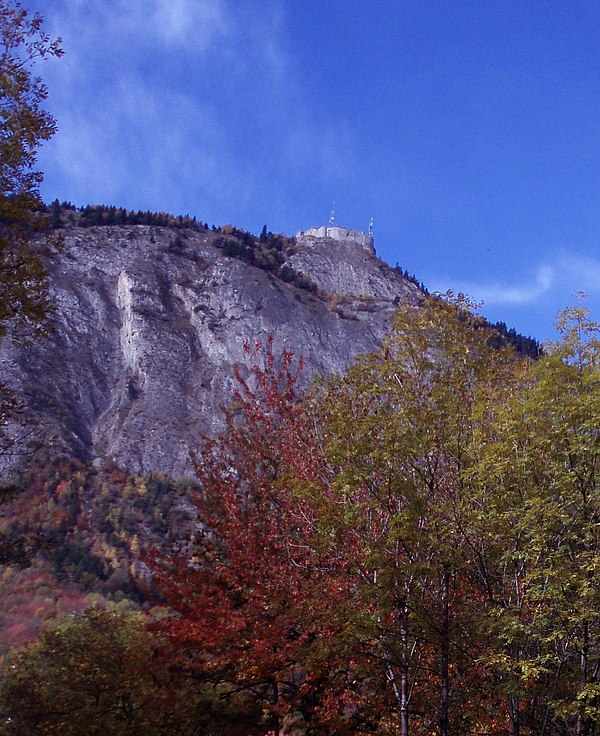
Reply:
x=24, y=125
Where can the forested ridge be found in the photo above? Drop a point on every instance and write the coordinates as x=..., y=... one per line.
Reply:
x=268, y=251
x=410, y=548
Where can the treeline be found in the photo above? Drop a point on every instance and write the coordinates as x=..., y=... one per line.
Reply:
x=525, y=345
x=501, y=335
x=412, y=548
x=107, y=673
x=410, y=277
x=267, y=252
x=64, y=213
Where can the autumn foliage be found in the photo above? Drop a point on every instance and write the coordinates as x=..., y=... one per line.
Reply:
x=373, y=556
x=410, y=548
x=253, y=593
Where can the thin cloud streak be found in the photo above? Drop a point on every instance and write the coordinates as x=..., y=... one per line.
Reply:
x=180, y=21
x=583, y=270
x=111, y=153
x=559, y=280
x=157, y=98
x=193, y=24
x=498, y=294
x=119, y=131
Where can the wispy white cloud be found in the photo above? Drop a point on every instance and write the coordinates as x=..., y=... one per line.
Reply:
x=582, y=271
x=185, y=22
x=134, y=123
x=512, y=294
x=193, y=24
x=528, y=291
x=557, y=281
x=167, y=102
x=139, y=143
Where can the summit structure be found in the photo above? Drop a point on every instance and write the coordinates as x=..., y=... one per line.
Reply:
x=339, y=234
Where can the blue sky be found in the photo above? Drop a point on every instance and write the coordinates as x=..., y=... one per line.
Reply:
x=469, y=131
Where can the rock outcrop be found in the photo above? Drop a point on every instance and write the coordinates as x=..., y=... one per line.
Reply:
x=150, y=322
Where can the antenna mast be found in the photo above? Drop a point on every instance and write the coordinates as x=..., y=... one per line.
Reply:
x=332, y=215
x=371, y=228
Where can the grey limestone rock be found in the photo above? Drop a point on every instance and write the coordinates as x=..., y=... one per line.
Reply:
x=149, y=327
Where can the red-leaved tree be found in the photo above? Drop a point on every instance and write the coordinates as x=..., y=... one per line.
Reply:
x=256, y=599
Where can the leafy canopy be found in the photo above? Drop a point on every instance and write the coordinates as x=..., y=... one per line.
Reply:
x=24, y=125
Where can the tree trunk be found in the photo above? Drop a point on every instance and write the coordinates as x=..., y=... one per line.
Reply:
x=400, y=694
x=277, y=722
x=404, y=678
x=515, y=716
x=581, y=721
x=444, y=656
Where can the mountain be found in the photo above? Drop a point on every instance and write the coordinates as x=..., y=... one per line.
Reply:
x=152, y=315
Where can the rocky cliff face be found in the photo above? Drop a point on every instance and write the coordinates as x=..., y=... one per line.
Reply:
x=150, y=322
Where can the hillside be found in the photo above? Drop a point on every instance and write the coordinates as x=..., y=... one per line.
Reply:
x=253, y=574
x=152, y=318
x=72, y=538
